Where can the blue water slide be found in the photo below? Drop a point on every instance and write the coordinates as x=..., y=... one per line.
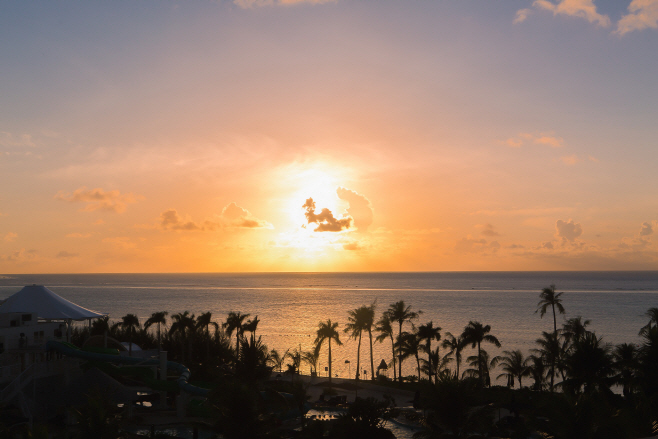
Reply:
x=182, y=381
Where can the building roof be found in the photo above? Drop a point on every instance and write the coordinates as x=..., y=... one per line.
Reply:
x=46, y=304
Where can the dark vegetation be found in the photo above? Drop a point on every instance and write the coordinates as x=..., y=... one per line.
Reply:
x=562, y=388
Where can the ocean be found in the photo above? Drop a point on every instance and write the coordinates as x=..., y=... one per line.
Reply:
x=290, y=305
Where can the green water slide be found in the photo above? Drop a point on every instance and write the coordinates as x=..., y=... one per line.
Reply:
x=107, y=358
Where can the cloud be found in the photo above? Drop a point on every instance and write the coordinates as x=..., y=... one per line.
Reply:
x=248, y=4
x=99, y=199
x=568, y=231
x=646, y=229
x=522, y=15
x=488, y=230
x=642, y=14
x=325, y=219
x=575, y=8
x=236, y=216
x=352, y=246
x=360, y=208
x=66, y=255
x=232, y=216
x=9, y=140
x=10, y=237
x=470, y=245
x=570, y=159
x=537, y=139
x=19, y=256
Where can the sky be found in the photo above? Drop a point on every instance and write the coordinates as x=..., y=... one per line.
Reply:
x=319, y=135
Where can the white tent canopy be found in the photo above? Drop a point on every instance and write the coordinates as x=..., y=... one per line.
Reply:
x=46, y=304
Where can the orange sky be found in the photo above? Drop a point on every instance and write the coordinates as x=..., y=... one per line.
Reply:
x=187, y=136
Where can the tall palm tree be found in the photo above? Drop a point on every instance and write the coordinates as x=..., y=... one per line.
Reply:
x=400, y=313
x=234, y=322
x=455, y=345
x=183, y=324
x=514, y=366
x=385, y=330
x=251, y=325
x=129, y=323
x=312, y=358
x=157, y=318
x=327, y=331
x=427, y=333
x=481, y=366
x=409, y=345
x=203, y=322
x=548, y=297
x=357, y=323
x=475, y=333
x=369, y=321
x=551, y=350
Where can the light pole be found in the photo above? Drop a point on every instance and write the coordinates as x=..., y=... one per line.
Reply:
x=349, y=368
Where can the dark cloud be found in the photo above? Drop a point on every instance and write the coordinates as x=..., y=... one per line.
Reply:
x=360, y=208
x=352, y=246
x=568, y=231
x=488, y=230
x=170, y=220
x=233, y=216
x=66, y=255
x=325, y=219
x=647, y=229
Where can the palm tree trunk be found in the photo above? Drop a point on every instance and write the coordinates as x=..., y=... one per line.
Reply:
x=418, y=366
x=358, y=359
x=429, y=361
x=329, y=360
x=393, y=351
x=372, y=364
x=480, y=366
x=554, y=321
x=400, y=354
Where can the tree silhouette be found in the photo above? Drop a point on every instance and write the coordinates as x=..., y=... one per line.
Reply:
x=130, y=322
x=234, y=322
x=548, y=297
x=455, y=345
x=400, y=313
x=157, y=318
x=385, y=330
x=514, y=366
x=475, y=334
x=427, y=333
x=183, y=324
x=327, y=331
x=359, y=320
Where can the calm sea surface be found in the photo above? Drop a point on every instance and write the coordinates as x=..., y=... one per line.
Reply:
x=291, y=305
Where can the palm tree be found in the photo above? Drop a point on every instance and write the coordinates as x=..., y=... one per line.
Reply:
x=399, y=312
x=547, y=298
x=358, y=321
x=589, y=365
x=574, y=329
x=157, y=318
x=312, y=358
x=183, y=324
x=203, y=322
x=369, y=321
x=427, y=333
x=481, y=365
x=251, y=325
x=385, y=330
x=551, y=351
x=475, y=333
x=277, y=360
x=455, y=345
x=234, y=322
x=514, y=365
x=327, y=331
x=130, y=322
x=436, y=365
x=409, y=345
x=626, y=362
x=537, y=370
x=652, y=313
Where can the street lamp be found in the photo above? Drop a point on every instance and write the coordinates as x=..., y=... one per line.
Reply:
x=349, y=368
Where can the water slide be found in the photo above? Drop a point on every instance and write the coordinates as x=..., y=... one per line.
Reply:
x=184, y=373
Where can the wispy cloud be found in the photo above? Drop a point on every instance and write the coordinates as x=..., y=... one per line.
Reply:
x=574, y=8
x=232, y=216
x=10, y=237
x=642, y=14
x=521, y=139
x=99, y=199
x=248, y=4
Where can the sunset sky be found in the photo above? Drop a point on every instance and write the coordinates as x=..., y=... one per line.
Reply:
x=202, y=136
